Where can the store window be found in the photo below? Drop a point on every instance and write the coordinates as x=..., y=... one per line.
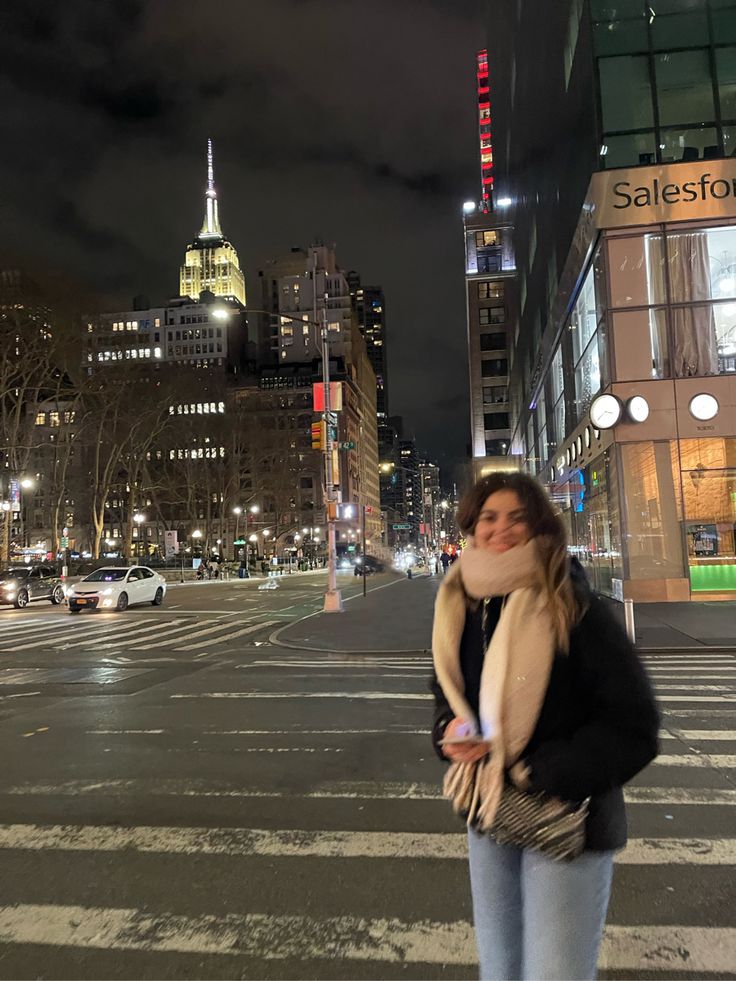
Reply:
x=651, y=498
x=640, y=344
x=557, y=391
x=636, y=270
x=709, y=504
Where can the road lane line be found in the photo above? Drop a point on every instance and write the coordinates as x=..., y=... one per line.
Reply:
x=696, y=759
x=348, y=938
x=369, y=695
x=706, y=735
x=297, y=843
x=253, y=628
x=351, y=790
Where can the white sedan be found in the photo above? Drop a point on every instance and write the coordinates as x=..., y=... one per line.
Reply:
x=116, y=589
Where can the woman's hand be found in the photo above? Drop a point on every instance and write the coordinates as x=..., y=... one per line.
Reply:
x=463, y=752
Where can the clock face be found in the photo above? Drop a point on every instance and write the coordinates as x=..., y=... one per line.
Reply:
x=703, y=407
x=637, y=408
x=605, y=411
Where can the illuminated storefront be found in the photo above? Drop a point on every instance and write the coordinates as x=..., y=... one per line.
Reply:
x=646, y=315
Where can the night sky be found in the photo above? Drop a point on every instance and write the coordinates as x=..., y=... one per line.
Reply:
x=339, y=120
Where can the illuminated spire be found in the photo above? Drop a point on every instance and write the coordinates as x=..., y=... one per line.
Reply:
x=211, y=225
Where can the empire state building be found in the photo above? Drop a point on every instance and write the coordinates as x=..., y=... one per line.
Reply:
x=211, y=262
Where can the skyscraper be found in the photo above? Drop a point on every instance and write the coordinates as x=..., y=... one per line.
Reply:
x=211, y=262
x=369, y=305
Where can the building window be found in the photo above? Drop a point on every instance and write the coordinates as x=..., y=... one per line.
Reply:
x=493, y=342
x=485, y=239
x=495, y=367
x=495, y=394
x=496, y=420
x=626, y=93
x=491, y=315
x=497, y=447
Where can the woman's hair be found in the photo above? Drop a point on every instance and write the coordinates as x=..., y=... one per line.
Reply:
x=546, y=526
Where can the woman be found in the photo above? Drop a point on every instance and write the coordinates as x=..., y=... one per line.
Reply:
x=536, y=684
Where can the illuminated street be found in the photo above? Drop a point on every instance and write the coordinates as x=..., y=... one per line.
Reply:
x=175, y=805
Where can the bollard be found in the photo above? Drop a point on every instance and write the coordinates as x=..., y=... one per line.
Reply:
x=629, y=618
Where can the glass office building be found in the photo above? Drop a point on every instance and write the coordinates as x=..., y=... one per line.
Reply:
x=614, y=128
x=666, y=72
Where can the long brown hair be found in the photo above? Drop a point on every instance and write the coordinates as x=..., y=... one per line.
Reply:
x=546, y=526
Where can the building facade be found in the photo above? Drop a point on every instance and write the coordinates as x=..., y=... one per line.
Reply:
x=369, y=305
x=616, y=122
x=492, y=324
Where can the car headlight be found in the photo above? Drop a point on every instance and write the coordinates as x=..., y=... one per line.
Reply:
x=106, y=592
x=69, y=591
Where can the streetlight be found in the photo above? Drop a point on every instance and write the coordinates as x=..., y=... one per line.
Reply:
x=254, y=509
x=139, y=519
x=237, y=511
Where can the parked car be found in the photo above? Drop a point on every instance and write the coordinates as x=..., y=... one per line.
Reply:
x=113, y=588
x=21, y=585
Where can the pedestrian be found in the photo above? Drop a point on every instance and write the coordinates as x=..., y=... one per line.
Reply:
x=215, y=567
x=445, y=560
x=549, y=713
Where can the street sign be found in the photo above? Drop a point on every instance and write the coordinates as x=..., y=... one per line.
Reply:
x=349, y=445
x=64, y=542
x=402, y=527
x=239, y=541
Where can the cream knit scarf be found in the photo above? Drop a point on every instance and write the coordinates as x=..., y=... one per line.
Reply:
x=515, y=672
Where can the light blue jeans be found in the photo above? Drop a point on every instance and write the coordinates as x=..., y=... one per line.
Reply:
x=537, y=919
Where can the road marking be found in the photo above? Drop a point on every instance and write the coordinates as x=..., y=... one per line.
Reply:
x=293, y=843
x=221, y=624
x=264, y=732
x=232, y=636
x=369, y=695
x=354, y=790
x=121, y=632
x=665, y=687
x=218, y=627
x=272, y=937
x=706, y=735
x=663, y=697
x=696, y=759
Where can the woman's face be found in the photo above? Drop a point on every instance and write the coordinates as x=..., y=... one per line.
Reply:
x=502, y=523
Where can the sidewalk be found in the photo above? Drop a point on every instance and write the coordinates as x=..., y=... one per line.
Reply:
x=397, y=617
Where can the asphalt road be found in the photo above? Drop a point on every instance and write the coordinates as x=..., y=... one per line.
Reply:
x=183, y=798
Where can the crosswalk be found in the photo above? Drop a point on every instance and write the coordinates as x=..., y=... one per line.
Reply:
x=141, y=634
x=293, y=866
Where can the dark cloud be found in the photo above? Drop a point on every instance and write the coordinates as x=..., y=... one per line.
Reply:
x=335, y=119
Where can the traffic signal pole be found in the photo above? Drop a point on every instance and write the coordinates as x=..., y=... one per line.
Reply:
x=333, y=599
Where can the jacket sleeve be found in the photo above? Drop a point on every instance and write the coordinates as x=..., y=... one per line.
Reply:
x=443, y=715
x=621, y=735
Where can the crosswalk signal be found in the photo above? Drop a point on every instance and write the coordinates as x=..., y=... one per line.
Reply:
x=318, y=435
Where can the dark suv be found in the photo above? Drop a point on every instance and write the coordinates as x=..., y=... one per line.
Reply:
x=22, y=584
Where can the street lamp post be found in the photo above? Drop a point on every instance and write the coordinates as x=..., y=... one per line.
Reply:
x=139, y=520
x=237, y=511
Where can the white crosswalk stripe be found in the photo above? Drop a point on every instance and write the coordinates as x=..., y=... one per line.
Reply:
x=89, y=920
x=141, y=634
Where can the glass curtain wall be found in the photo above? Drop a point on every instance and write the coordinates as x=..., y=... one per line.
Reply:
x=667, y=79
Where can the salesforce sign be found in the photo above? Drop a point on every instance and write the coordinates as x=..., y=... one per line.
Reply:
x=672, y=192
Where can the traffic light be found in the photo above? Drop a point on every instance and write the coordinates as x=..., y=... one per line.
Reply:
x=318, y=435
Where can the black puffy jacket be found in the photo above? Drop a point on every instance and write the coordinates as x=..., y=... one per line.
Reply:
x=599, y=723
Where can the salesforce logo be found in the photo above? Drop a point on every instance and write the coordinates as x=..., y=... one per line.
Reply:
x=656, y=192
